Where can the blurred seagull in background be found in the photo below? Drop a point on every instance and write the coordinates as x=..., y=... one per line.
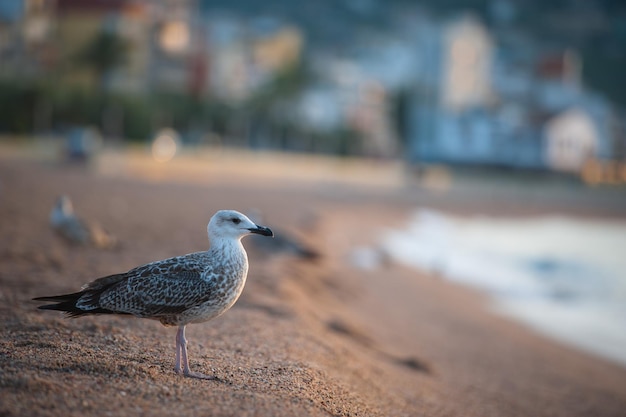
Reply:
x=65, y=222
x=283, y=243
x=186, y=289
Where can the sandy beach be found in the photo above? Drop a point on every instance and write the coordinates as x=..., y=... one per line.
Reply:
x=307, y=338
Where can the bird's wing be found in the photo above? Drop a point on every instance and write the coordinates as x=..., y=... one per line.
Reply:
x=153, y=290
x=73, y=229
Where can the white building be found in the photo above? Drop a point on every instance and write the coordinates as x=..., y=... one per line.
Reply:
x=572, y=138
x=467, y=61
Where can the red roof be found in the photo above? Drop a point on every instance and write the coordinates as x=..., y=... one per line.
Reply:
x=552, y=66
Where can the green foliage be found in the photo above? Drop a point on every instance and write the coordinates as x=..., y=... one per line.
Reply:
x=285, y=85
x=605, y=72
x=103, y=53
x=72, y=106
x=258, y=122
x=17, y=104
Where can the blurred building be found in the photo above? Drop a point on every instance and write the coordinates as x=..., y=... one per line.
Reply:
x=509, y=104
x=230, y=62
x=175, y=44
x=467, y=65
x=132, y=25
x=456, y=115
x=25, y=37
x=275, y=47
x=355, y=92
x=78, y=23
x=578, y=127
x=247, y=54
x=393, y=81
x=571, y=140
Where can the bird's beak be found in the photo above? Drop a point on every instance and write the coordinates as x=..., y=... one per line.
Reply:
x=260, y=230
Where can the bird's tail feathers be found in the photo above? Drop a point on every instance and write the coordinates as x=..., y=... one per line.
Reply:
x=60, y=298
x=68, y=307
x=67, y=304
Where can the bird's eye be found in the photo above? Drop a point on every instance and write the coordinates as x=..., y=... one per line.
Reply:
x=236, y=220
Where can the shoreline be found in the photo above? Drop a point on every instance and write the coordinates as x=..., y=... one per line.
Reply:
x=537, y=271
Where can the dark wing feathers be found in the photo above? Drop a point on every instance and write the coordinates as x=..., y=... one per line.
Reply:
x=162, y=288
x=158, y=295
x=156, y=310
x=105, y=282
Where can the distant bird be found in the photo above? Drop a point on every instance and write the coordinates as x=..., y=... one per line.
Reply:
x=186, y=289
x=65, y=222
x=283, y=243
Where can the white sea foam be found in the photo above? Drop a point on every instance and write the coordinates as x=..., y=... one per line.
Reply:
x=564, y=277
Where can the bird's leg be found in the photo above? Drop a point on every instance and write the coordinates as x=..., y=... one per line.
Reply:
x=179, y=334
x=181, y=356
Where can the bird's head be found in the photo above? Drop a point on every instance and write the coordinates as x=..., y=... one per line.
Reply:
x=234, y=225
x=64, y=205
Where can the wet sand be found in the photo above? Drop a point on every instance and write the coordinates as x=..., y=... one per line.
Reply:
x=307, y=337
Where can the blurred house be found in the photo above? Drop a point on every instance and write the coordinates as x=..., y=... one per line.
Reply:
x=77, y=24
x=571, y=140
x=246, y=55
x=579, y=127
x=383, y=65
x=46, y=38
x=179, y=55
x=10, y=37
x=275, y=47
x=320, y=107
x=230, y=66
x=381, y=81
x=369, y=115
x=356, y=92
x=456, y=116
x=25, y=37
x=508, y=104
x=557, y=81
x=133, y=24
x=466, y=78
x=350, y=99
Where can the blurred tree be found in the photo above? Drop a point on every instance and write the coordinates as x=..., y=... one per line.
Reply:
x=102, y=54
x=604, y=72
x=265, y=111
x=285, y=84
x=400, y=105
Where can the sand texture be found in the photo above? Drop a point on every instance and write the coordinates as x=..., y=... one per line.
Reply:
x=307, y=338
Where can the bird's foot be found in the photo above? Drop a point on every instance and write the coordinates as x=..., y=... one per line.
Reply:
x=197, y=375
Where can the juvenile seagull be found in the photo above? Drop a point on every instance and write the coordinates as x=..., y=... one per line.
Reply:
x=65, y=222
x=284, y=243
x=186, y=289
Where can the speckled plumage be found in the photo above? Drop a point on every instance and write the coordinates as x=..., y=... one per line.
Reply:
x=185, y=289
x=177, y=291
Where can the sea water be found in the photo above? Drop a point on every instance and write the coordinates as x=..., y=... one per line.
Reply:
x=564, y=277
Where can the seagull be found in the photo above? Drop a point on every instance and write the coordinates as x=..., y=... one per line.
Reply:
x=65, y=222
x=192, y=288
x=284, y=243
